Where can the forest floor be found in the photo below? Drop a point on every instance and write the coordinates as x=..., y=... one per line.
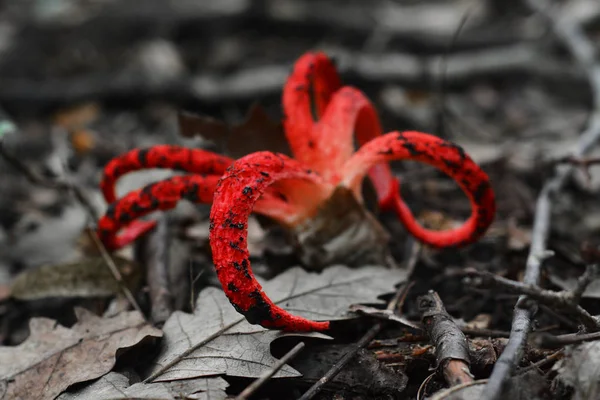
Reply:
x=515, y=83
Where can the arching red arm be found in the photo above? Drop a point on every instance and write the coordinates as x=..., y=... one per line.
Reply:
x=161, y=156
x=236, y=194
x=165, y=195
x=445, y=156
x=194, y=161
x=306, y=94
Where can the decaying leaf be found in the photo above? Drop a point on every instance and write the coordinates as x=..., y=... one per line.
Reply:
x=218, y=340
x=257, y=132
x=580, y=369
x=343, y=230
x=86, y=278
x=115, y=386
x=54, y=357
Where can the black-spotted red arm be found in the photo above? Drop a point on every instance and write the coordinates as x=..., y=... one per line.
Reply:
x=443, y=155
x=123, y=214
x=195, y=161
x=234, y=200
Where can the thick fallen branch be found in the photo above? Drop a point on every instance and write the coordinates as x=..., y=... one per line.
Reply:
x=451, y=347
x=152, y=252
x=572, y=36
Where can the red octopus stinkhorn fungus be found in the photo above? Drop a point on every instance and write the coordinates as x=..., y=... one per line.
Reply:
x=321, y=119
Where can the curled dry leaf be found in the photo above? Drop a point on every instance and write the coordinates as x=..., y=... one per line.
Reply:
x=115, y=386
x=218, y=340
x=54, y=357
x=86, y=278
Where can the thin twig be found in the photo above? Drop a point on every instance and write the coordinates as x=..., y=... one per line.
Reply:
x=562, y=300
x=549, y=341
x=110, y=263
x=572, y=36
x=543, y=362
x=590, y=274
x=254, y=386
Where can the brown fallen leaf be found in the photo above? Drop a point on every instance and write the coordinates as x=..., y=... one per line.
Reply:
x=257, y=132
x=86, y=278
x=54, y=357
x=218, y=340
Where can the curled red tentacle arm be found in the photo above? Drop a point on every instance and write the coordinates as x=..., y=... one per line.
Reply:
x=165, y=195
x=306, y=94
x=195, y=161
x=236, y=194
x=445, y=156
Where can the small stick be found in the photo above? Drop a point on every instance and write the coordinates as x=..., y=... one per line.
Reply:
x=152, y=251
x=451, y=347
x=254, y=386
x=110, y=263
x=549, y=341
x=554, y=299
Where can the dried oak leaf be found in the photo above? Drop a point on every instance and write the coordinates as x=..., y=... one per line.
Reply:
x=54, y=357
x=85, y=278
x=216, y=339
x=258, y=132
x=115, y=386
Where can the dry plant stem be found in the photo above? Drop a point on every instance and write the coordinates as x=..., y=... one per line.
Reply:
x=549, y=341
x=572, y=36
x=548, y=297
x=152, y=251
x=543, y=362
x=451, y=348
x=110, y=263
x=591, y=273
x=254, y=386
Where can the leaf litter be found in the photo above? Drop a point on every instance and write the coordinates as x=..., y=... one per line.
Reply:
x=54, y=357
x=216, y=339
x=116, y=386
